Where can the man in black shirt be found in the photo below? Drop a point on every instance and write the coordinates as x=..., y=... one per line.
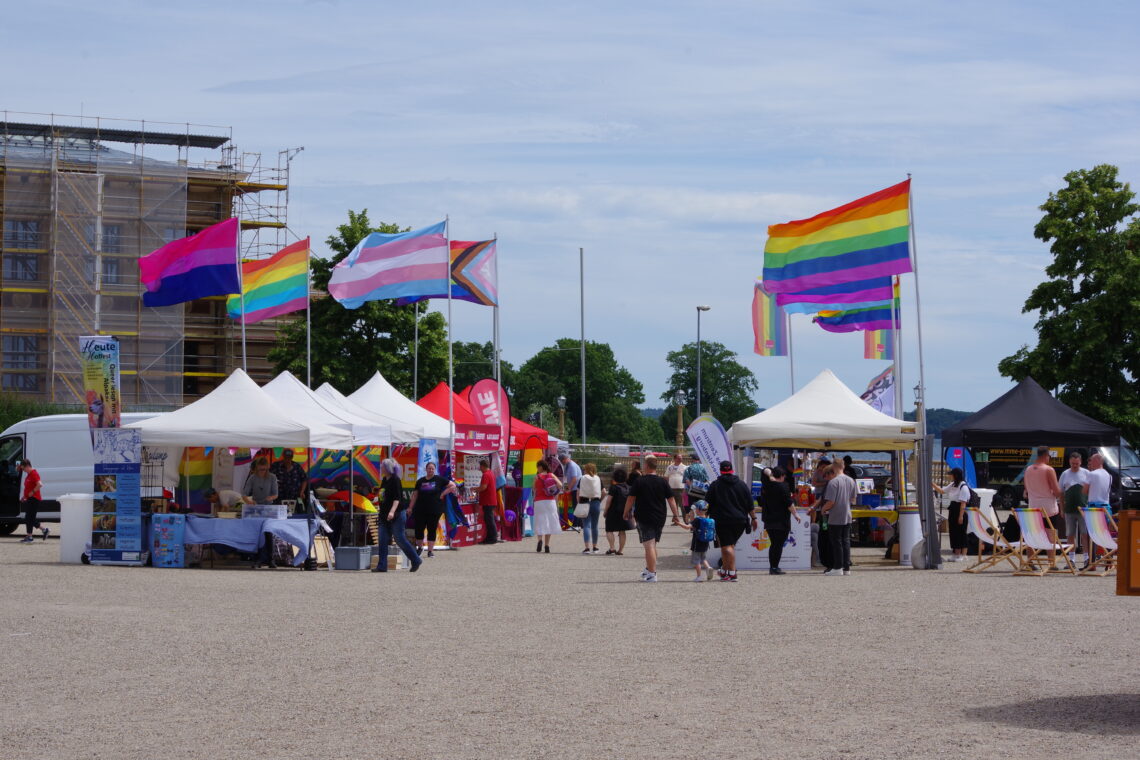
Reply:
x=731, y=505
x=647, y=500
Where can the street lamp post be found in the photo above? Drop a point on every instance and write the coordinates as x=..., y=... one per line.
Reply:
x=699, y=397
x=562, y=417
x=679, y=402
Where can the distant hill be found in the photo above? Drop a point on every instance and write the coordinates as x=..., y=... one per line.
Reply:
x=938, y=419
x=653, y=414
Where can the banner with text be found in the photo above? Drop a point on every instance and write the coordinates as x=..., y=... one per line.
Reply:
x=711, y=442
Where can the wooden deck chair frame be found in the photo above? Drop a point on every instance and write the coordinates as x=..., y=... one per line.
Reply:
x=1098, y=524
x=1003, y=550
x=1035, y=547
x=322, y=551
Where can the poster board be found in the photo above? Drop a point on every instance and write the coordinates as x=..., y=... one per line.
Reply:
x=752, y=548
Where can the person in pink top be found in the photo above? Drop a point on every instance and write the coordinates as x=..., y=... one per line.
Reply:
x=1043, y=490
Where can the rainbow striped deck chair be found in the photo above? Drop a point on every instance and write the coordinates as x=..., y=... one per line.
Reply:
x=1037, y=538
x=989, y=534
x=1100, y=526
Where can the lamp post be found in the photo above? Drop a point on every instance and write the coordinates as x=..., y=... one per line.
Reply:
x=699, y=398
x=562, y=417
x=679, y=402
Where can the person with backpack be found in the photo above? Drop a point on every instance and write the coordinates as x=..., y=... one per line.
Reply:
x=958, y=493
x=546, y=490
x=613, y=508
x=704, y=533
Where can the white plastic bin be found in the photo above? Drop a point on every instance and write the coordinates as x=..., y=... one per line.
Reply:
x=75, y=513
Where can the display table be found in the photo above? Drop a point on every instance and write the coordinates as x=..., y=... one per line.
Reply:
x=889, y=515
x=248, y=535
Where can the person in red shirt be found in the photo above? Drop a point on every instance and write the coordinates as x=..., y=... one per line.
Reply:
x=31, y=502
x=489, y=501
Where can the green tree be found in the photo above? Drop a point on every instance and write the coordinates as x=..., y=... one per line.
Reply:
x=349, y=345
x=1087, y=317
x=612, y=393
x=475, y=361
x=727, y=386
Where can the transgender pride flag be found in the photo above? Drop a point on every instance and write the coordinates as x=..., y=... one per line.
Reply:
x=403, y=265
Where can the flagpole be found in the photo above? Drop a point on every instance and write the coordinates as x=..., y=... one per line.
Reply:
x=416, y=353
x=309, y=315
x=241, y=292
x=450, y=356
x=582, y=297
x=504, y=421
x=918, y=314
x=791, y=353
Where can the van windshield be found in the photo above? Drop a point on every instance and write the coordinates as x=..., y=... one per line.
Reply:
x=1128, y=456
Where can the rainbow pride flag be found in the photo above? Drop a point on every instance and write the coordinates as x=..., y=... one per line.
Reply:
x=846, y=295
x=273, y=286
x=879, y=344
x=769, y=325
x=193, y=267
x=403, y=265
x=864, y=239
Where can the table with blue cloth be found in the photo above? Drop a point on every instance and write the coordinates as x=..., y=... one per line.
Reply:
x=248, y=534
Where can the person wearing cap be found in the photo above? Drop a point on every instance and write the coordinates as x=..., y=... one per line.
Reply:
x=732, y=507
x=702, y=528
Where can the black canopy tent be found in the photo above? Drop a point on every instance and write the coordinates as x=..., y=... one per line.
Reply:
x=1028, y=415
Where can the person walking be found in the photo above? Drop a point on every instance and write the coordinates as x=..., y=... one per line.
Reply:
x=675, y=474
x=546, y=490
x=571, y=477
x=614, y=508
x=392, y=517
x=731, y=506
x=590, y=493
x=704, y=533
x=837, y=500
x=778, y=509
x=488, y=501
x=30, y=502
x=648, y=498
x=426, y=507
x=958, y=494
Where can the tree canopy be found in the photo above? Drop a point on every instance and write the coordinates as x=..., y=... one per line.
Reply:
x=349, y=345
x=475, y=361
x=727, y=385
x=612, y=393
x=1087, y=316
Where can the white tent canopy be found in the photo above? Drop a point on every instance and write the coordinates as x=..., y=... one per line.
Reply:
x=824, y=414
x=402, y=432
x=237, y=413
x=379, y=394
x=319, y=413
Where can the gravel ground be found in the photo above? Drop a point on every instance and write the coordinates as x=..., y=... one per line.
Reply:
x=496, y=652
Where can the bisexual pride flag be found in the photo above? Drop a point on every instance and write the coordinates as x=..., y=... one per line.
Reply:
x=201, y=265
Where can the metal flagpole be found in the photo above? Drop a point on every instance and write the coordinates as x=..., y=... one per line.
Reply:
x=309, y=316
x=504, y=421
x=241, y=291
x=582, y=306
x=450, y=357
x=925, y=496
x=416, y=354
x=791, y=353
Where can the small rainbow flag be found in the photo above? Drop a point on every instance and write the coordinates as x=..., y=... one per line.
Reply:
x=864, y=239
x=879, y=344
x=273, y=286
x=769, y=325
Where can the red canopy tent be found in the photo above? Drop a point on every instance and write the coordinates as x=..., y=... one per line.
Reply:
x=520, y=430
x=436, y=401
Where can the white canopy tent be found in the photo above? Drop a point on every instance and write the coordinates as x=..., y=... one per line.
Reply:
x=824, y=414
x=402, y=431
x=237, y=413
x=379, y=394
x=317, y=412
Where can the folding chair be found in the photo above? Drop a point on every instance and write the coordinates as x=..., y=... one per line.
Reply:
x=1037, y=538
x=1100, y=527
x=989, y=534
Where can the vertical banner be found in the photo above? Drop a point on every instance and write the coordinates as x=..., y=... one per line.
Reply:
x=99, y=355
x=429, y=452
x=880, y=393
x=711, y=442
x=491, y=406
x=116, y=522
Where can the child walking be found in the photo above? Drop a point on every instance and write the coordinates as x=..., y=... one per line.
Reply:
x=703, y=528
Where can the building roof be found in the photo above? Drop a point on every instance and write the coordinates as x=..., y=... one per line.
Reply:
x=134, y=136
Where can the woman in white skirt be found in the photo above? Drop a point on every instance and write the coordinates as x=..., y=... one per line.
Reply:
x=546, y=490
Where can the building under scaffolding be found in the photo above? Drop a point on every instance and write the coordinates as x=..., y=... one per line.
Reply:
x=80, y=203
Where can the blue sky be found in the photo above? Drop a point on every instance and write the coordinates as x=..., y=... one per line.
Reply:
x=660, y=137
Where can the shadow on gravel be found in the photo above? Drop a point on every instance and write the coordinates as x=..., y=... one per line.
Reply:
x=1115, y=714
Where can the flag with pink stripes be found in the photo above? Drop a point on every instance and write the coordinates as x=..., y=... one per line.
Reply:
x=402, y=265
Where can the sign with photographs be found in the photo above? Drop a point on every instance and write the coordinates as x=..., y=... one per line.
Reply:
x=116, y=528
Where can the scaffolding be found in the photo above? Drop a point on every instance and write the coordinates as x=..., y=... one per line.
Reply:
x=78, y=215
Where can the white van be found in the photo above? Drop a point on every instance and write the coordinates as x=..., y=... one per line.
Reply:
x=59, y=446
